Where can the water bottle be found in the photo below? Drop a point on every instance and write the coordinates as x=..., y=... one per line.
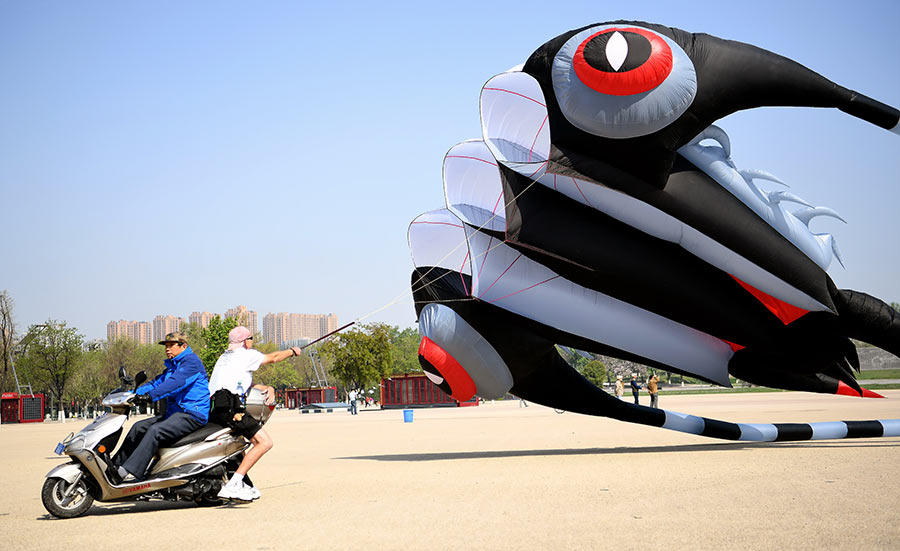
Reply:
x=240, y=391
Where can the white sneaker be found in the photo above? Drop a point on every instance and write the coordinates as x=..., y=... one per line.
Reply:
x=237, y=492
x=253, y=491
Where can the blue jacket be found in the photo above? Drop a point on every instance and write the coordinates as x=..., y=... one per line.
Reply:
x=185, y=385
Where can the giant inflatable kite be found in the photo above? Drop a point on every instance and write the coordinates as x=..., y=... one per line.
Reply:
x=601, y=211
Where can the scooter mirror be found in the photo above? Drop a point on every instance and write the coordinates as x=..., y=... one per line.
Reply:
x=139, y=379
x=123, y=376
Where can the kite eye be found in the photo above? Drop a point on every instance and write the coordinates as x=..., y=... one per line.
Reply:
x=448, y=344
x=443, y=370
x=623, y=62
x=622, y=82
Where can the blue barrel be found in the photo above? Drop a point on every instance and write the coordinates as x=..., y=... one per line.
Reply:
x=407, y=416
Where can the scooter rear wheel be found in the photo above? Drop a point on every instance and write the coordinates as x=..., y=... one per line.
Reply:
x=53, y=495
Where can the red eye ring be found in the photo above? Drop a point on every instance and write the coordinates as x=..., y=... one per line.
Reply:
x=636, y=81
x=460, y=382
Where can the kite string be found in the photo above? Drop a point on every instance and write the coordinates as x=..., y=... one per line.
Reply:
x=401, y=298
x=481, y=227
x=464, y=241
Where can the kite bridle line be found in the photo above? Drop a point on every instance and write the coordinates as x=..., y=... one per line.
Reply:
x=399, y=298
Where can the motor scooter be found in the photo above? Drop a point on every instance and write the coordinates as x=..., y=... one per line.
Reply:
x=193, y=468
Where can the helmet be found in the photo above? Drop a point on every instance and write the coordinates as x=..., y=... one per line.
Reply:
x=255, y=405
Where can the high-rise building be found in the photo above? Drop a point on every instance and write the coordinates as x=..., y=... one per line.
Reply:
x=201, y=318
x=284, y=328
x=163, y=325
x=247, y=318
x=139, y=331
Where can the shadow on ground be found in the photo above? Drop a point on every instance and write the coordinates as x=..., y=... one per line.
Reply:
x=715, y=447
x=107, y=509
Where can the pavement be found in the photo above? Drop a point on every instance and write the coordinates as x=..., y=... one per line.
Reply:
x=499, y=476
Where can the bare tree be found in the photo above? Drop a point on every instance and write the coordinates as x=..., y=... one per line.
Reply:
x=7, y=338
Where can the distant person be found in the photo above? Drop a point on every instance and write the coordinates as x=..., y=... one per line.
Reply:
x=620, y=388
x=184, y=386
x=653, y=389
x=234, y=369
x=635, y=387
x=351, y=397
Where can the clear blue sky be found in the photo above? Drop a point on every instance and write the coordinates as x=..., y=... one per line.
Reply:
x=145, y=146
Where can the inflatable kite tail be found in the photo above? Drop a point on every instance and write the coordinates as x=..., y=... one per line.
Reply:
x=570, y=391
x=868, y=319
x=779, y=432
x=754, y=77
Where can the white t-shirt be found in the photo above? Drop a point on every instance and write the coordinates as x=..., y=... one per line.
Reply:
x=233, y=367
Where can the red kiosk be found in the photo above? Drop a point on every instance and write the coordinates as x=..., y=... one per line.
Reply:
x=415, y=390
x=21, y=408
x=295, y=398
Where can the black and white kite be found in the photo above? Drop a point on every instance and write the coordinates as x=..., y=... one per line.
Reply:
x=601, y=210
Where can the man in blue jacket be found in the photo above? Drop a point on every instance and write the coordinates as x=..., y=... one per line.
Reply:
x=185, y=386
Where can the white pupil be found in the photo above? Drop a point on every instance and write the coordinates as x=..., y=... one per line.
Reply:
x=616, y=50
x=434, y=378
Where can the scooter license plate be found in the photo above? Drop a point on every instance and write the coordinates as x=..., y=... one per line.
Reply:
x=59, y=449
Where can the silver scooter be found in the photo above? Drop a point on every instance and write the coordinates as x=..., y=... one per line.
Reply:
x=193, y=468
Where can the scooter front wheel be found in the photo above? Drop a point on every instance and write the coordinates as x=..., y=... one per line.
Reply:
x=65, y=500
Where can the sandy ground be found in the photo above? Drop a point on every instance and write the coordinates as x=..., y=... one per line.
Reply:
x=501, y=477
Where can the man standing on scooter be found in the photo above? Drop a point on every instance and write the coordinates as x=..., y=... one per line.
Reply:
x=185, y=386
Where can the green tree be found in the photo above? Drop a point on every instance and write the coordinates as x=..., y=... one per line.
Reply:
x=52, y=357
x=214, y=341
x=573, y=358
x=93, y=379
x=194, y=335
x=134, y=357
x=361, y=357
x=284, y=374
x=404, y=351
x=595, y=372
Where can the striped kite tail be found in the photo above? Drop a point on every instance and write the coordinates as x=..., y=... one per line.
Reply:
x=779, y=432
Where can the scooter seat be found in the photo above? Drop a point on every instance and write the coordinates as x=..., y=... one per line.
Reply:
x=197, y=435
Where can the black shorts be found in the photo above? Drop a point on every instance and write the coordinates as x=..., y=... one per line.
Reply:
x=246, y=427
x=224, y=404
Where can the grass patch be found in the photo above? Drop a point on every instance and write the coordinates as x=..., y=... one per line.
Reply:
x=889, y=386
x=878, y=374
x=735, y=390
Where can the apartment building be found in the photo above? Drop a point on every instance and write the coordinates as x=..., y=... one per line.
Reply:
x=163, y=325
x=201, y=318
x=247, y=318
x=140, y=331
x=286, y=329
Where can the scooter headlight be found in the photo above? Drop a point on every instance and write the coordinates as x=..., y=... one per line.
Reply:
x=76, y=443
x=118, y=399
